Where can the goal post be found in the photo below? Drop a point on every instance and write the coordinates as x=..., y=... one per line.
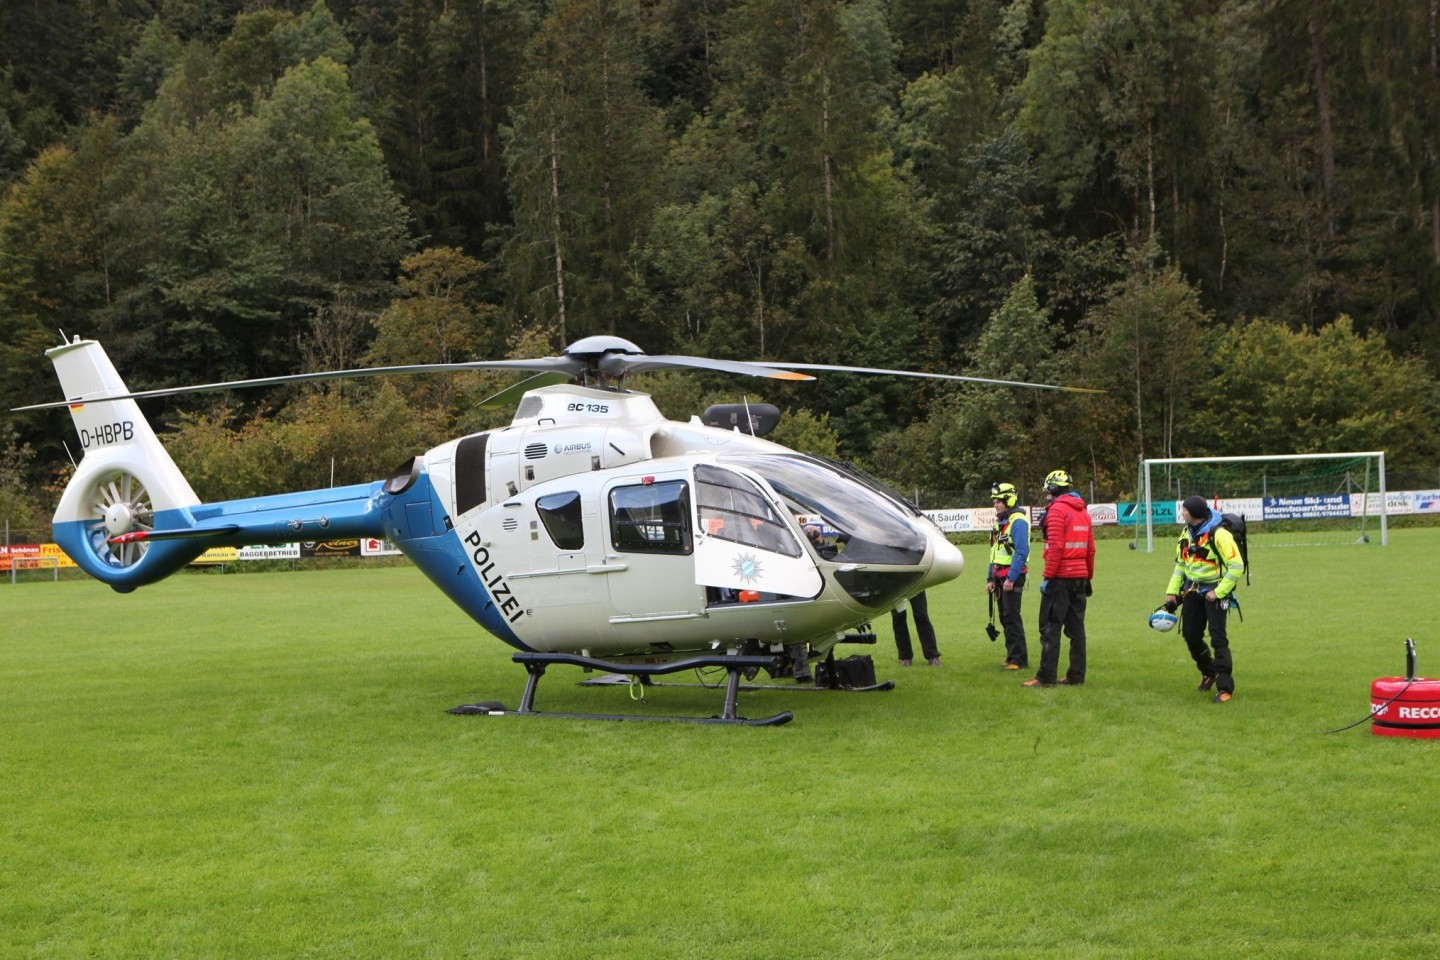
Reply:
x=1301, y=498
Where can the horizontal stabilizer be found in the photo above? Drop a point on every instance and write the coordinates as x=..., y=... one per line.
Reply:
x=179, y=534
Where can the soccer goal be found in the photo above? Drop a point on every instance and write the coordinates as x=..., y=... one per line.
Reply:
x=1295, y=500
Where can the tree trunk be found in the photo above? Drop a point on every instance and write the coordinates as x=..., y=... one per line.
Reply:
x=828, y=175
x=555, y=224
x=1430, y=157
x=1327, y=132
x=607, y=143
x=1150, y=172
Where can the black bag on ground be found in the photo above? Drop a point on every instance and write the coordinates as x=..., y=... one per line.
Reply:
x=857, y=670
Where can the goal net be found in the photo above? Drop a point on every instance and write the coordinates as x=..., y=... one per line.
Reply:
x=1296, y=500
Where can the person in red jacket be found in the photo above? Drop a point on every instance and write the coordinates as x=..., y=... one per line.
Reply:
x=1069, y=567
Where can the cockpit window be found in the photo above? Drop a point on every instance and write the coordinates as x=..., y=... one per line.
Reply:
x=850, y=470
x=560, y=512
x=731, y=507
x=871, y=527
x=651, y=517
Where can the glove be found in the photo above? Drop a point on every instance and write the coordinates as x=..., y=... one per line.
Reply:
x=1043, y=585
x=1088, y=591
x=1170, y=605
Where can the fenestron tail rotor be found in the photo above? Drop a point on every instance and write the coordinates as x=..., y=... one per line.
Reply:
x=120, y=504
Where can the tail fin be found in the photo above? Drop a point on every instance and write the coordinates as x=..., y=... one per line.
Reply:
x=125, y=482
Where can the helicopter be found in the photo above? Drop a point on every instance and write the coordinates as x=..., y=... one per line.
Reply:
x=591, y=531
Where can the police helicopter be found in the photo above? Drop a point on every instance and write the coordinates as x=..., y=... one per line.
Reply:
x=591, y=531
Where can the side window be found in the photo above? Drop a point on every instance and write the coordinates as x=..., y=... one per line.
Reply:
x=731, y=507
x=470, y=473
x=651, y=518
x=560, y=512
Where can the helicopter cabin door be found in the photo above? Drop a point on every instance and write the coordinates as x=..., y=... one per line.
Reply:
x=651, y=537
x=745, y=550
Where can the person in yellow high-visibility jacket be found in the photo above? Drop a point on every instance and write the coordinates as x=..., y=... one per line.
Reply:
x=1009, y=554
x=1208, y=567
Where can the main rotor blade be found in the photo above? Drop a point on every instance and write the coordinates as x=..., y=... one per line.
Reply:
x=617, y=365
x=929, y=376
x=511, y=395
x=557, y=365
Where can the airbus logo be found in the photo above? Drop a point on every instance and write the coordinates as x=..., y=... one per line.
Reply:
x=572, y=447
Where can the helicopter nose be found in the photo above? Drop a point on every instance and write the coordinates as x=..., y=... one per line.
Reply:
x=947, y=563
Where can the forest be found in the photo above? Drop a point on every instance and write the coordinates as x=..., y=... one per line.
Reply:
x=1223, y=213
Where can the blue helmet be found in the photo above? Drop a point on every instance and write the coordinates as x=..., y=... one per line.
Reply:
x=1163, y=620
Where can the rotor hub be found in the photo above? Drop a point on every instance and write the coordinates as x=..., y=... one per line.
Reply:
x=119, y=518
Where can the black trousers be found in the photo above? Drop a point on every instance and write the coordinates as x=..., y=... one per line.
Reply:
x=923, y=627
x=1062, y=606
x=1017, y=651
x=1197, y=614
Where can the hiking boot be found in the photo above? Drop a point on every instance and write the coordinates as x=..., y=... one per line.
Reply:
x=1067, y=682
x=1037, y=682
x=1012, y=665
x=934, y=661
x=1207, y=680
x=1221, y=697
x=904, y=663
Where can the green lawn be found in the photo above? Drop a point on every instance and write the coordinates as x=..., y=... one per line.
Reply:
x=261, y=766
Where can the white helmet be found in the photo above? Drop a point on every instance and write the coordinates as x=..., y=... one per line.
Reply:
x=1163, y=620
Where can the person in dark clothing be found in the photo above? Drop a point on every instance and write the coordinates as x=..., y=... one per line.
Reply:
x=1069, y=568
x=1009, y=550
x=922, y=627
x=1208, y=567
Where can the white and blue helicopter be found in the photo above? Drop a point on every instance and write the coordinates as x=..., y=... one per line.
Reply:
x=591, y=531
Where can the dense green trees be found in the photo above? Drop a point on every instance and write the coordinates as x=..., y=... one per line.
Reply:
x=1226, y=215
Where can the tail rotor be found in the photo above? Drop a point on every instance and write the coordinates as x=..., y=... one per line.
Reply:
x=125, y=486
x=119, y=501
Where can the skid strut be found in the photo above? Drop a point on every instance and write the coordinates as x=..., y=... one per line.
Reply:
x=535, y=665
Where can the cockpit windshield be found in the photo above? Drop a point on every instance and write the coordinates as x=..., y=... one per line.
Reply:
x=855, y=473
x=870, y=526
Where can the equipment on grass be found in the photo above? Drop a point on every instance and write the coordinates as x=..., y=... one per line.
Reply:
x=591, y=531
x=856, y=670
x=1406, y=706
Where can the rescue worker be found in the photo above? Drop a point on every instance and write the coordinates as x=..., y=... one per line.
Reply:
x=1009, y=551
x=1208, y=568
x=1065, y=584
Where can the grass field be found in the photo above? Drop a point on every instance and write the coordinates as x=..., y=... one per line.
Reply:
x=261, y=766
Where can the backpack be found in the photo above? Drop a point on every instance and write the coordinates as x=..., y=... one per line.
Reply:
x=1235, y=523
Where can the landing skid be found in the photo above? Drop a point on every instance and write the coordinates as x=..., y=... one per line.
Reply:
x=830, y=681
x=535, y=665
x=746, y=687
